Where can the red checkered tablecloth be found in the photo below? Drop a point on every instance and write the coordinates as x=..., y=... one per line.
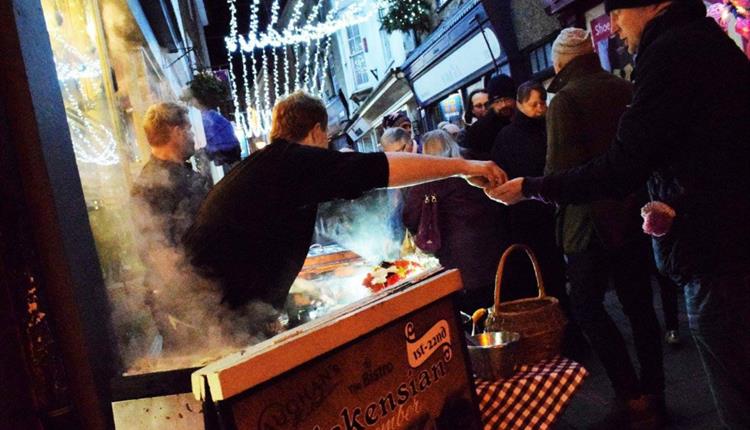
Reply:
x=533, y=398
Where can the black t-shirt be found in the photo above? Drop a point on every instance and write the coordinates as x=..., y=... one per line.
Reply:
x=253, y=231
x=166, y=196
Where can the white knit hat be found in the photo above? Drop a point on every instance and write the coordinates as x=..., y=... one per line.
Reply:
x=572, y=42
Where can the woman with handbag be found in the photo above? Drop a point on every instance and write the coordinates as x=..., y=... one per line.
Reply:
x=458, y=224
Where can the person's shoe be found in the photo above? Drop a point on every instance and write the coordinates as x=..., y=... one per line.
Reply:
x=672, y=337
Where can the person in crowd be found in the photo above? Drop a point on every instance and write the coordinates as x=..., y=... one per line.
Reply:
x=253, y=231
x=396, y=139
x=521, y=148
x=399, y=119
x=501, y=105
x=452, y=129
x=685, y=134
x=167, y=193
x=165, y=198
x=477, y=106
x=469, y=236
x=208, y=92
x=602, y=240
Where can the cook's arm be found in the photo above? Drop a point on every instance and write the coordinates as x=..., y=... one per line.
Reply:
x=410, y=169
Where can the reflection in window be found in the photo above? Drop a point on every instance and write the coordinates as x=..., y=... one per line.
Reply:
x=541, y=58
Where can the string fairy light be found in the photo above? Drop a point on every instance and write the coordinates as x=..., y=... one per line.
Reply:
x=326, y=54
x=351, y=15
x=297, y=39
x=270, y=29
x=232, y=84
x=322, y=48
x=266, y=96
x=92, y=142
x=289, y=84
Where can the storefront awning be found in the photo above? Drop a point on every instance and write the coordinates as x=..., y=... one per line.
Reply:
x=390, y=94
x=456, y=53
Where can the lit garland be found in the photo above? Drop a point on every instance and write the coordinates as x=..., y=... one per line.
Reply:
x=326, y=53
x=306, y=66
x=274, y=51
x=353, y=14
x=285, y=68
x=92, y=142
x=316, y=88
x=291, y=84
x=232, y=85
x=296, y=66
x=291, y=39
x=266, y=95
x=317, y=66
x=405, y=15
x=246, y=84
x=253, y=30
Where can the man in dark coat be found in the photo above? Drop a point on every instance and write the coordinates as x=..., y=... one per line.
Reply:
x=687, y=127
x=521, y=148
x=165, y=197
x=602, y=240
x=501, y=105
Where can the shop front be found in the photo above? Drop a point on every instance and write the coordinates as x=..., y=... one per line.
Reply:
x=459, y=55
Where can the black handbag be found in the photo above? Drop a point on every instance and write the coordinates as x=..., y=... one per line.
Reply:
x=428, y=232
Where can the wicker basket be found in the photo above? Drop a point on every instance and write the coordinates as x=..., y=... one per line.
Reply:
x=539, y=320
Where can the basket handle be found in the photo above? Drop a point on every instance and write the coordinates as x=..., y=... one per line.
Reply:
x=501, y=268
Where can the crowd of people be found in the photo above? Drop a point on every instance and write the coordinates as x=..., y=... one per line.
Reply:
x=580, y=180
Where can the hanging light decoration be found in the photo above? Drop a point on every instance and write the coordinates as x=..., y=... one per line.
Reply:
x=92, y=142
x=297, y=40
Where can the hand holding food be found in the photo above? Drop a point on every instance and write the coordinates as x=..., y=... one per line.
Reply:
x=508, y=193
x=485, y=174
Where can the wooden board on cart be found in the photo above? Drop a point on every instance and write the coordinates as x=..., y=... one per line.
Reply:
x=398, y=361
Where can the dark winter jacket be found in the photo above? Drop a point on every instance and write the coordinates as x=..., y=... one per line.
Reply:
x=687, y=124
x=469, y=232
x=520, y=149
x=481, y=135
x=581, y=124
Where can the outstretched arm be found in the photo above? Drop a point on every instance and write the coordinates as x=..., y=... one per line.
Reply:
x=410, y=169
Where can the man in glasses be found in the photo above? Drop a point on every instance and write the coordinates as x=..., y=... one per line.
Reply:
x=500, y=106
x=477, y=103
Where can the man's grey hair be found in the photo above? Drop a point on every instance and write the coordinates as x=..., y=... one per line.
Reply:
x=440, y=143
x=394, y=135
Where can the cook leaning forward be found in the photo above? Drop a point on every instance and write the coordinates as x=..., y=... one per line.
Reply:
x=253, y=231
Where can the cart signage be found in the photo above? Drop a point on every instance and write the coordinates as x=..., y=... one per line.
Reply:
x=411, y=373
x=419, y=350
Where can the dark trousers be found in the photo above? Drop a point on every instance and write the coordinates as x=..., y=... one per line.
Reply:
x=668, y=291
x=628, y=268
x=718, y=309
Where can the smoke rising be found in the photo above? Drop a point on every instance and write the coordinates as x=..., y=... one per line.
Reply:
x=173, y=317
x=370, y=226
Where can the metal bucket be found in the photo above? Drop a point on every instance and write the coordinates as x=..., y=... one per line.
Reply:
x=493, y=354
